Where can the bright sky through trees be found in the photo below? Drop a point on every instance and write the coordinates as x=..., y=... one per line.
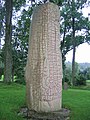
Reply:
x=82, y=54
x=82, y=51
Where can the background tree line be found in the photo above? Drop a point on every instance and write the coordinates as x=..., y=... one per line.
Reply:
x=15, y=19
x=82, y=73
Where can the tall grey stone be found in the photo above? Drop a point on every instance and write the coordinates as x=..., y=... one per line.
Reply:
x=44, y=63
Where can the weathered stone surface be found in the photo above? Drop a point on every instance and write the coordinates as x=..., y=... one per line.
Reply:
x=65, y=86
x=44, y=66
x=62, y=114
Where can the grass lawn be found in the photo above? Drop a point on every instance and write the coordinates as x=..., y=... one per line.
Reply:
x=78, y=101
x=88, y=82
x=12, y=97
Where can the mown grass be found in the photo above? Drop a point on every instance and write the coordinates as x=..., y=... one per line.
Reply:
x=88, y=82
x=12, y=98
x=78, y=101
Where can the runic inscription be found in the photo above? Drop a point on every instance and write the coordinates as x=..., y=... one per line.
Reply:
x=44, y=66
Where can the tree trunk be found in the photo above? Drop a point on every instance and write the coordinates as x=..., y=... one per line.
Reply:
x=12, y=74
x=73, y=63
x=63, y=55
x=8, y=38
x=74, y=44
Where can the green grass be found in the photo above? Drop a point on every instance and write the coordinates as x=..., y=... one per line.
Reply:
x=78, y=101
x=12, y=97
x=88, y=82
x=2, y=77
x=87, y=87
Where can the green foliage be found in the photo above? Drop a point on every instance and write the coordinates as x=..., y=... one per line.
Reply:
x=1, y=65
x=58, y=2
x=73, y=10
x=21, y=28
x=87, y=71
x=73, y=29
x=17, y=4
x=82, y=73
x=68, y=73
x=20, y=37
x=20, y=44
x=1, y=71
x=80, y=79
x=2, y=19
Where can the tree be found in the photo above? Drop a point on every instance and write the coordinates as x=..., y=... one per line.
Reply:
x=8, y=40
x=7, y=12
x=68, y=72
x=80, y=79
x=72, y=22
x=87, y=73
x=67, y=75
x=2, y=14
x=20, y=43
x=20, y=31
x=73, y=42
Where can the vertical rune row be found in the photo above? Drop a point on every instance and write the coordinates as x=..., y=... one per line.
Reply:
x=44, y=64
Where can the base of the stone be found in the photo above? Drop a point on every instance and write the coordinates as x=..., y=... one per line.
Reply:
x=62, y=114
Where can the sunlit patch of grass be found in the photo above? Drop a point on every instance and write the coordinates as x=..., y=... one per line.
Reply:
x=2, y=77
x=88, y=82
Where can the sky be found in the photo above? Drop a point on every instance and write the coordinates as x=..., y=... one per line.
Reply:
x=82, y=54
x=83, y=50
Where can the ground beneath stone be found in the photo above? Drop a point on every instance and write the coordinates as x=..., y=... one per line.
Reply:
x=62, y=114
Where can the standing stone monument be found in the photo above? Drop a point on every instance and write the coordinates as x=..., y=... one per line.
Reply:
x=44, y=64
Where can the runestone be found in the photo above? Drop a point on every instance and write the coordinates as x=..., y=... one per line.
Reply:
x=44, y=63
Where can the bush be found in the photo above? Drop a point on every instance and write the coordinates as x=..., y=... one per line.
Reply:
x=20, y=80
x=80, y=79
